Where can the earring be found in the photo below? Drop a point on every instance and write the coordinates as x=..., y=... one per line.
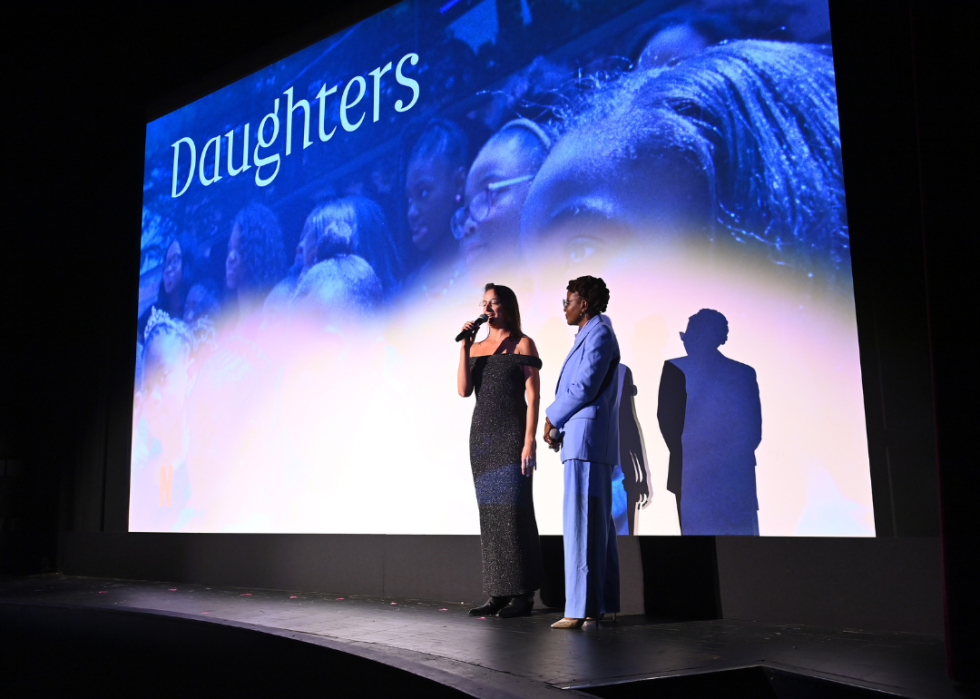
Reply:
x=459, y=197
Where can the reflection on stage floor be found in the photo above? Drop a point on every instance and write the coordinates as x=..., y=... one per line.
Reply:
x=525, y=657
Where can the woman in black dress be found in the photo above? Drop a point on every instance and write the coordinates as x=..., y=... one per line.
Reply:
x=502, y=368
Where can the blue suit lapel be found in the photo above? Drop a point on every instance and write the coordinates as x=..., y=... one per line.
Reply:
x=589, y=327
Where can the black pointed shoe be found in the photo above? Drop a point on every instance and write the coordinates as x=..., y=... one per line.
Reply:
x=519, y=606
x=492, y=606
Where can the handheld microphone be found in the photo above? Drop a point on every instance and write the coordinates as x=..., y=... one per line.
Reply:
x=555, y=439
x=477, y=323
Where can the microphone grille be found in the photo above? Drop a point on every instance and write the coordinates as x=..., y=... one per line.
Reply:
x=483, y=318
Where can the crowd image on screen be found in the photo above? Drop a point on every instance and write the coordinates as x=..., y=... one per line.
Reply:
x=693, y=101
x=202, y=302
x=718, y=128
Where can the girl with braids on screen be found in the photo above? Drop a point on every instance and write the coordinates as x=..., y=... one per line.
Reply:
x=736, y=149
x=435, y=177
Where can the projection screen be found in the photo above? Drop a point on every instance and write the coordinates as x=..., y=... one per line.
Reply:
x=301, y=277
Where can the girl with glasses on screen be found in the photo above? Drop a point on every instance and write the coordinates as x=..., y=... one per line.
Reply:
x=488, y=223
x=176, y=279
x=503, y=369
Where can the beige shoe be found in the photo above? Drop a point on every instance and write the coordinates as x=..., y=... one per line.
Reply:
x=567, y=623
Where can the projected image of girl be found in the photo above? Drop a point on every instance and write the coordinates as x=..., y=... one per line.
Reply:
x=434, y=184
x=175, y=283
x=488, y=224
x=738, y=147
x=256, y=261
x=502, y=369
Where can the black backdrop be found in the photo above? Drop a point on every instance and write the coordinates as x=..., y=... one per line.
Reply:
x=84, y=79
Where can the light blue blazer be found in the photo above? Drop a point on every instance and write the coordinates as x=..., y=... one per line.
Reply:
x=584, y=410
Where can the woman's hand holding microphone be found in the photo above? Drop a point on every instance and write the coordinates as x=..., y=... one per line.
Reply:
x=469, y=327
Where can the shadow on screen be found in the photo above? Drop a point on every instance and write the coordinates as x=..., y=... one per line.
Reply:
x=631, y=478
x=710, y=416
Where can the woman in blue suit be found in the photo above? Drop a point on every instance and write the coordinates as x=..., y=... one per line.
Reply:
x=585, y=420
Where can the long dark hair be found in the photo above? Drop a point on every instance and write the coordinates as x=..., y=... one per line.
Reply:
x=262, y=249
x=508, y=301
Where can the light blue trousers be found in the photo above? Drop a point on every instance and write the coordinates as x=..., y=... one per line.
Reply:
x=591, y=555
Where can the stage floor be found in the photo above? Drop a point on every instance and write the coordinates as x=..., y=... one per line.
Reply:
x=523, y=657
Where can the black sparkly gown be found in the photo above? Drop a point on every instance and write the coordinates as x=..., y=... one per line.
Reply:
x=508, y=531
